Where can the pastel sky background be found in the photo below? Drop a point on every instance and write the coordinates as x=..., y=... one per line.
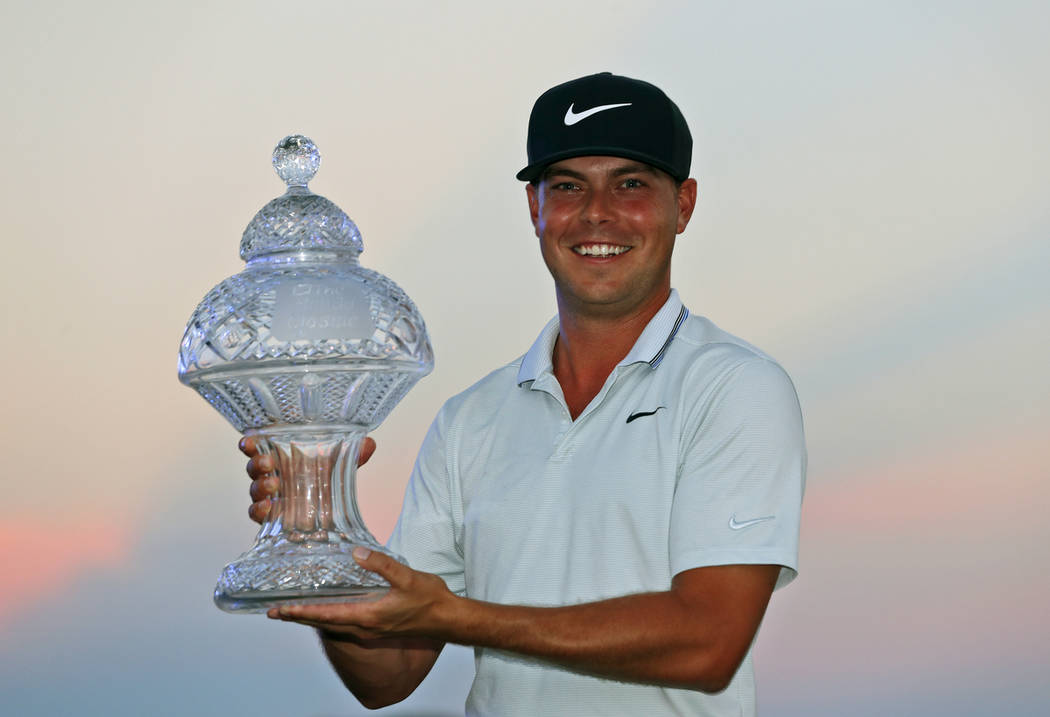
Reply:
x=873, y=213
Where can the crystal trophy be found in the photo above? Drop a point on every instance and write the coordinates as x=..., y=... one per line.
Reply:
x=306, y=351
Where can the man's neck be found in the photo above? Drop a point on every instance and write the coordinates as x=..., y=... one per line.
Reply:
x=590, y=346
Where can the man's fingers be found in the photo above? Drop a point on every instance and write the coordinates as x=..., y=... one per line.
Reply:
x=261, y=469
x=263, y=488
x=259, y=466
x=259, y=510
x=324, y=616
x=368, y=447
x=247, y=446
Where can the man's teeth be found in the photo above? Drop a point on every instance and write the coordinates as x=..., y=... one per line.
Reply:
x=600, y=249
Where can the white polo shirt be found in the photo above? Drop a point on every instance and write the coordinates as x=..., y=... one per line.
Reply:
x=692, y=454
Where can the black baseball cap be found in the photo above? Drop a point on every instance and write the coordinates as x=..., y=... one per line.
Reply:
x=606, y=114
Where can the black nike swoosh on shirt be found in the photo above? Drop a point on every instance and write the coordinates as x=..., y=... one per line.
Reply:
x=640, y=414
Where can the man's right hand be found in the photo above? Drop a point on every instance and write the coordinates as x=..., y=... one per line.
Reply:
x=264, y=478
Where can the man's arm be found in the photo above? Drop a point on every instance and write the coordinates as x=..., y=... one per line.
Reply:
x=692, y=636
x=383, y=671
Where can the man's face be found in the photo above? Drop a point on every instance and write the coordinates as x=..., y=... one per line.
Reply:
x=607, y=227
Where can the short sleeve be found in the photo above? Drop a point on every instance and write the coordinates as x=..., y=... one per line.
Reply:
x=425, y=532
x=742, y=471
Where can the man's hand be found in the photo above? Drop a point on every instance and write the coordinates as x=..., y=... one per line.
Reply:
x=381, y=649
x=417, y=605
x=265, y=482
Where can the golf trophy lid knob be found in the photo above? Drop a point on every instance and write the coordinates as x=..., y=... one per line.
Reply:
x=296, y=160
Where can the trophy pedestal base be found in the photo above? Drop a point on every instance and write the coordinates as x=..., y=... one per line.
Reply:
x=248, y=602
x=303, y=574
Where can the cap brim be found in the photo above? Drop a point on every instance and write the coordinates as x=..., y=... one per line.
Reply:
x=533, y=171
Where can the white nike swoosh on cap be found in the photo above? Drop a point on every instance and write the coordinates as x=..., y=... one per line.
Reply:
x=572, y=117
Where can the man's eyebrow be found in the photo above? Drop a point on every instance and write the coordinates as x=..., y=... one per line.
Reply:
x=635, y=168
x=631, y=168
x=561, y=172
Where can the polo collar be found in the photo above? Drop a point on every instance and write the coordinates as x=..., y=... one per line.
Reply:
x=650, y=347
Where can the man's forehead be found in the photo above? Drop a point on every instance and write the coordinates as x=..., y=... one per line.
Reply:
x=600, y=163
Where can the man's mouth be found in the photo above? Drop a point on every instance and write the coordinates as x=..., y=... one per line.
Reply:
x=600, y=249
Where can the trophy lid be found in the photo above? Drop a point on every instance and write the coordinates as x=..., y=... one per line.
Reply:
x=299, y=222
x=304, y=335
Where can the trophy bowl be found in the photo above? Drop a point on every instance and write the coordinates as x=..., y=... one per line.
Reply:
x=306, y=351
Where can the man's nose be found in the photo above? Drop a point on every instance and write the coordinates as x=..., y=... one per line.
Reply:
x=598, y=208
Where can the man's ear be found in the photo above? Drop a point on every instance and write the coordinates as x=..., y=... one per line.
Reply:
x=686, y=203
x=532, y=191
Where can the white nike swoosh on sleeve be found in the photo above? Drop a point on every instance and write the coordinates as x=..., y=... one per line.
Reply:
x=735, y=524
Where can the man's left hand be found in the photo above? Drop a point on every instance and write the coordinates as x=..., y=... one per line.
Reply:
x=412, y=608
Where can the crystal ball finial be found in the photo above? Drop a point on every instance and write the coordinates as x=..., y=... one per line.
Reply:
x=296, y=160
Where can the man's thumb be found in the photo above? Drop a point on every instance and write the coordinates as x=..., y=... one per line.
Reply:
x=377, y=562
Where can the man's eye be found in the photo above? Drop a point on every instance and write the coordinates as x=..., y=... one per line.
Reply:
x=565, y=186
x=632, y=183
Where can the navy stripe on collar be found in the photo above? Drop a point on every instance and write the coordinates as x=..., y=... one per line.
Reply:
x=655, y=360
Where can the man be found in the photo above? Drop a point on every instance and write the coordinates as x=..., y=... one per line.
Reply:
x=604, y=519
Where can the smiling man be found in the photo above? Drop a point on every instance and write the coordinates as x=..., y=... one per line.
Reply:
x=605, y=518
